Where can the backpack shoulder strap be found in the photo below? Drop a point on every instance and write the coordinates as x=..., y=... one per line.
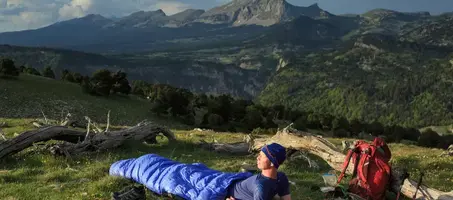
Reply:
x=345, y=165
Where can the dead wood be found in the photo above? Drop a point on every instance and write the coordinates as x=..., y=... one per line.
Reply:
x=76, y=142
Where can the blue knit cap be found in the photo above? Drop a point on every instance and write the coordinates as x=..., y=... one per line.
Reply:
x=277, y=153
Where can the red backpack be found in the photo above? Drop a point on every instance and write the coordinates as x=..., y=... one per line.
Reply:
x=372, y=171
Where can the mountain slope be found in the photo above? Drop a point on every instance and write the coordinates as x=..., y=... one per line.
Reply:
x=140, y=19
x=388, y=22
x=259, y=12
x=302, y=31
x=435, y=32
x=184, y=17
x=59, y=34
x=370, y=78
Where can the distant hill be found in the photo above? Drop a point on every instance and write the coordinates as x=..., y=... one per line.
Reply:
x=200, y=71
x=373, y=77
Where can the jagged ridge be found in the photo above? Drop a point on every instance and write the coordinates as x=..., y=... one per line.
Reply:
x=259, y=12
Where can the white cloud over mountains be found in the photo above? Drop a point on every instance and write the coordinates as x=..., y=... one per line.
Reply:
x=31, y=14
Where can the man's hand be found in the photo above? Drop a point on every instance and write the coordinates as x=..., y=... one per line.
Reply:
x=230, y=198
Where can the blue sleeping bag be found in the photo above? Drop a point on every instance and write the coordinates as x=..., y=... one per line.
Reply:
x=189, y=181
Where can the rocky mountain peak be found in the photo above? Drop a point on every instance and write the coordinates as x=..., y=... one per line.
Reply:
x=155, y=13
x=259, y=12
x=141, y=19
x=315, y=5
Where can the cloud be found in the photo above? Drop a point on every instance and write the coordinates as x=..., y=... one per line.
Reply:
x=30, y=14
x=27, y=14
x=79, y=8
x=12, y=11
x=72, y=10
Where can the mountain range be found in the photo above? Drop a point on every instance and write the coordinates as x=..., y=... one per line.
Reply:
x=238, y=20
x=380, y=65
x=154, y=30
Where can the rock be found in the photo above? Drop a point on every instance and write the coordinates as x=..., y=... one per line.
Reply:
x=259, y=12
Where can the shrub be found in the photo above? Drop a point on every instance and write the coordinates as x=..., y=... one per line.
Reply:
x=215, y=120
x=32, y=71
x=340, y=133
x=300, y=124
x=48, y=72
x=429, y=138
x=7, y=68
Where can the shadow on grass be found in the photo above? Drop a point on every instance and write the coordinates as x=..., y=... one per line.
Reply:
x=20, y=176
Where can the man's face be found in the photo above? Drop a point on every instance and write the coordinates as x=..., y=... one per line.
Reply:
x=263, y=162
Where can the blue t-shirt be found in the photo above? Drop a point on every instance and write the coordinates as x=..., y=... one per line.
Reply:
x=259, y=187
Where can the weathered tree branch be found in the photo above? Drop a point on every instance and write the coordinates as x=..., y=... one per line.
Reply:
x=27, y=139
x=73, y=146
x=45, y=118
x=294, y=139
x=108, y=122
x=2, y=135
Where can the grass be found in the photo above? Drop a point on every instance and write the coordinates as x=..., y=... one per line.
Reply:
x=38, y=175
x=29, y=95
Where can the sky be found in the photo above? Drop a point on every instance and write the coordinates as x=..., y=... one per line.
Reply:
x=18, y=15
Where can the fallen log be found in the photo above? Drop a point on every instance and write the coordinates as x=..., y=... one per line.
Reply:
x=110, y=140
x=298, y=140
x=76, y=142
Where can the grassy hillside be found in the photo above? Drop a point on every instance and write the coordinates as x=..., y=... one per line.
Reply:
x=29, y=95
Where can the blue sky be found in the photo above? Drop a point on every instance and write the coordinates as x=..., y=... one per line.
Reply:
x=30, y=14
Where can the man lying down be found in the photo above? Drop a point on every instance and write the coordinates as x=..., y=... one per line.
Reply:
x=198, y=182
